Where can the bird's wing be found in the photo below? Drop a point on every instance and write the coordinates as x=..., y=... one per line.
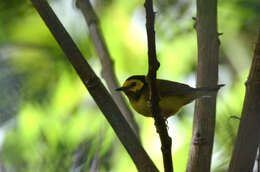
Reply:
x=170, y=88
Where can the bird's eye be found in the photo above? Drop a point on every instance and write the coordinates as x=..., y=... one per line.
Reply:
x=133, y=84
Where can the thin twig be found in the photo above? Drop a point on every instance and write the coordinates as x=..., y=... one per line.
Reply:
x=95, y=88
x=234, y=117
x=106, y=61
x=154, y=98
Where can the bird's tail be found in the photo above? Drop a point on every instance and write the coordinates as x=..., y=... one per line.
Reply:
x=207, y=91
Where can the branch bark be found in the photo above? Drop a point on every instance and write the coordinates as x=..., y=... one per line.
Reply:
x=95, y=88
x=154, y=64
x=258, y=159
x=248, y=137
x=107, y=63
x=207, y=75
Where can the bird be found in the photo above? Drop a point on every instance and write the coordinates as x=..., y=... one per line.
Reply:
x=172, y=95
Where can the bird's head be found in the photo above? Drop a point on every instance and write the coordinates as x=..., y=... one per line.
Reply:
x=134, y=86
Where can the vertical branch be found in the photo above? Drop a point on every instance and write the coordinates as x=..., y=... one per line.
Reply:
x=207, y=75
x=107, y=63
x=248, y=137
x=160, y=125
x=96, y=89
x=258, y=159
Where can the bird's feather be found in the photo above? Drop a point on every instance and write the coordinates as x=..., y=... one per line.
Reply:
x=170, y=88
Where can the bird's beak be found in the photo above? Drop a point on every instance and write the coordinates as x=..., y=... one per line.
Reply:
x=120, y=89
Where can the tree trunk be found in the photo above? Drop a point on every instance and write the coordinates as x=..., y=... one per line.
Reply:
x=248, y=137
x=207, y=75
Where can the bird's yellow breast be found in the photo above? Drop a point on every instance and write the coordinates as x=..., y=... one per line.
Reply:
x=168, y=105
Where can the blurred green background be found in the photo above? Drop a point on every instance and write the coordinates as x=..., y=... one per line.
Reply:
x=46, y=114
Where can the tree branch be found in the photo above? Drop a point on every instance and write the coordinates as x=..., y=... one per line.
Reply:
x=154, y=98
x=207, y=75
x=258, y=159
x=95, y=88
x=106, y=61
x=248, y=137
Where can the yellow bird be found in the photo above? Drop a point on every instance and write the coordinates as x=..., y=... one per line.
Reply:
x=173, y=95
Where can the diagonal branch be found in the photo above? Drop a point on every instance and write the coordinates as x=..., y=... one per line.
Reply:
x=105, y=59
x=154, y=98
x=95, y=88
x=248, y=137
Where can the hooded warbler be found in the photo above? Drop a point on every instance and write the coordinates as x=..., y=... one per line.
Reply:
x=173, y=95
